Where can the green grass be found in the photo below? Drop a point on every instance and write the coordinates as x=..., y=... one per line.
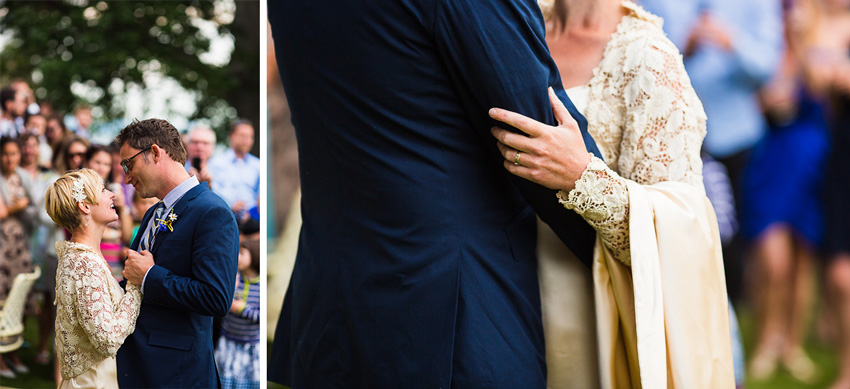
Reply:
x=39, y=376
x=824, y=357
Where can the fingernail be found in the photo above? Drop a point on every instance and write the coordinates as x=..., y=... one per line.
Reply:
x=492, y=112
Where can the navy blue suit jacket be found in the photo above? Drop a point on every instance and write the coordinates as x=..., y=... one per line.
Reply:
x=192, y=281
x=416, y=263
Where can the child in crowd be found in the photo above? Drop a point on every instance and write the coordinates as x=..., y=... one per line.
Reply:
x=237, y=354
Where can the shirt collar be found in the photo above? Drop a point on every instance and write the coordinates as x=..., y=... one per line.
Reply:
x=179, y=191
x=235, y=158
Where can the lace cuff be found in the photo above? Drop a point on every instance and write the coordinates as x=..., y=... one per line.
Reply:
x=602, y=199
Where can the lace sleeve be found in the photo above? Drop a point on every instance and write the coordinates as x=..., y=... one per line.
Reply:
x=662, y=133
x=105, y=325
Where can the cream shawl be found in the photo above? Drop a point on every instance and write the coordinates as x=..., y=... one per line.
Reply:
x=664, y=322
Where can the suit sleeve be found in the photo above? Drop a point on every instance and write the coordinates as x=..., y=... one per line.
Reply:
x=496, y=54
x=214, y=256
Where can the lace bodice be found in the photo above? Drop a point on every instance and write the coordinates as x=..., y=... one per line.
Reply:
x=93, y=314
x=646, y=120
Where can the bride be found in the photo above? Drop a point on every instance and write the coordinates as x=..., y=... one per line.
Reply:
x=93, y=314
x=658, y=288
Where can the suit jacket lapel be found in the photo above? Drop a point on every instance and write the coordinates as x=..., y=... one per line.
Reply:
x=178, y=209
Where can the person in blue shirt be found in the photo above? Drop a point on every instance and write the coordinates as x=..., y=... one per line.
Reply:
x=237, y=171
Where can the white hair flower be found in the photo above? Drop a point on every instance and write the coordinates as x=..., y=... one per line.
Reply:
x=78, y=193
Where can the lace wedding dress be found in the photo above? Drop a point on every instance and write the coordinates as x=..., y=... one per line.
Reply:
x=93, y=317
x=649, y=125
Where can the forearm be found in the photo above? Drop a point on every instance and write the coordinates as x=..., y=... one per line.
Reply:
x=16, y=208
x=601, y=198
x=758, y=47
x=107, y=328
x=251, y=312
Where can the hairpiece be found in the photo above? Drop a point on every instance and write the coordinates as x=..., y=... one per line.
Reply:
x=78, y=193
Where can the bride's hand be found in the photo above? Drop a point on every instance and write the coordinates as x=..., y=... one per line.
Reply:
x=137, y=266
x=554, y=157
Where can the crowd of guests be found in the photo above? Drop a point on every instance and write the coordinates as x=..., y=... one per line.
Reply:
x=37, y=146
x=774, y=78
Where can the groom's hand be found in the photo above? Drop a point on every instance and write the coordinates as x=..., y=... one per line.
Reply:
x=137, y=266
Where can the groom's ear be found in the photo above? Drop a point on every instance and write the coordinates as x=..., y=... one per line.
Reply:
x=155, y=152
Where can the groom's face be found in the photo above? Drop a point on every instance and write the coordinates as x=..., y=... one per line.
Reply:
x=139, y=171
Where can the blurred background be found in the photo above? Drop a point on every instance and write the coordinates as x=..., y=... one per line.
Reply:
x=192, y=60
x=74, y=73
x=774, y=79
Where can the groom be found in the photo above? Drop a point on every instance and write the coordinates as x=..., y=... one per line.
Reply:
x=416, y=262
x=185, y=259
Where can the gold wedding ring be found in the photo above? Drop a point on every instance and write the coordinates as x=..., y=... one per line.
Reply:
x=516, y=159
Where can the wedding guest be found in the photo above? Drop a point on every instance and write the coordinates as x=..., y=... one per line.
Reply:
x=199, y=150
x=32, y=108
x=116, y=235
x=140, y=206
x=16, y=217
x=827, y=63
x=14, y=106
x=70, y=154
x=29, y=145
x=82, y=121
x=237, y=354
x=782, y=213
x=37, y=124
x=46, y=233
x=237, y=171
x=55, y=131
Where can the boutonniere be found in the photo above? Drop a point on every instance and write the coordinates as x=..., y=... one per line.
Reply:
x=167, y=223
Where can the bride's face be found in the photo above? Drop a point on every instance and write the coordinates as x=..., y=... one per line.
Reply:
x=104, y=212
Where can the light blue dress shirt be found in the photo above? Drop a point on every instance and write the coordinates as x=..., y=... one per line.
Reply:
x=726, y=81
x=236, y=179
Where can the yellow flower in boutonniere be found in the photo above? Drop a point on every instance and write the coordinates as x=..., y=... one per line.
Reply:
x=167, y=223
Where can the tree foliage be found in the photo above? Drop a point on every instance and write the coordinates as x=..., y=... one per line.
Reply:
x=111, y=47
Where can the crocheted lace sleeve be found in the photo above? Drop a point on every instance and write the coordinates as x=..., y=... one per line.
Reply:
x=662, y=127
x=106, y=325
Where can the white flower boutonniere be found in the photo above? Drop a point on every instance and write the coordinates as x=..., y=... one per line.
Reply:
x=167, y=223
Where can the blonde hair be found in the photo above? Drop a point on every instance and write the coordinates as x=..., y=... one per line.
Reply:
x=59, y=200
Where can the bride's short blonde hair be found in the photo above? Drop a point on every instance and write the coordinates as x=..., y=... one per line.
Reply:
x=59, y=199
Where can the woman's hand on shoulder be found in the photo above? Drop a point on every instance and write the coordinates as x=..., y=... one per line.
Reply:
x=554, y=157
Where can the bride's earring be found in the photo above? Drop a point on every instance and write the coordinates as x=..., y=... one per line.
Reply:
x=87, y=220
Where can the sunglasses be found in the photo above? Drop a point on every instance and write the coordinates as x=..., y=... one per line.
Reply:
x=72, y=155
x=126, y=161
